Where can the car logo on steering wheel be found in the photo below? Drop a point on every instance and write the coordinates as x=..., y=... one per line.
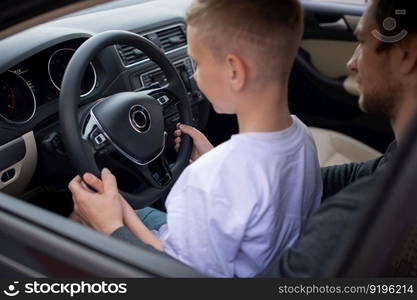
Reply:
x=140, y=118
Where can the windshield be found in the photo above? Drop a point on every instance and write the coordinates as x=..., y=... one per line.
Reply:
x=109, y=5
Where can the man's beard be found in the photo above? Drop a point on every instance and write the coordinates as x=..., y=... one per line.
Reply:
x=384, y=102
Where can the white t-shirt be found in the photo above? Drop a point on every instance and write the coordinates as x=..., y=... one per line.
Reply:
x=238, y=205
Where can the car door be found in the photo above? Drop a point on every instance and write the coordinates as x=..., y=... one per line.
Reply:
x=37, y=243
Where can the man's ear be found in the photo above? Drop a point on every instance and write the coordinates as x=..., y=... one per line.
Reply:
x=409, y=54
x=237, y=72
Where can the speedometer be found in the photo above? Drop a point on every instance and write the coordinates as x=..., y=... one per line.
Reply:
x=57, y=64
x=17, y=100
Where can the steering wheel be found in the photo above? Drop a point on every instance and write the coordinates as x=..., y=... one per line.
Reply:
x=129, y=123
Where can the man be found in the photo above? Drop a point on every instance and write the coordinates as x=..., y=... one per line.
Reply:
x=386, y=64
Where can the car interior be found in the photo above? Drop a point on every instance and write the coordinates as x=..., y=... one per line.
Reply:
x=43, y=109
x=35, y=165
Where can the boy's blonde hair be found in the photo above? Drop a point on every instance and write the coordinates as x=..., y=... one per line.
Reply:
x=265, y=32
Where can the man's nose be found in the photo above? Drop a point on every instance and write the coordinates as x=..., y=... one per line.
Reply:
x=352, y=64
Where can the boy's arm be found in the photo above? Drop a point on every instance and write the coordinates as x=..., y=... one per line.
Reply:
x=136, y=226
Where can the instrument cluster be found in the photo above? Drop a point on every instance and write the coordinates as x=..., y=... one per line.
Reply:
x=37, y=81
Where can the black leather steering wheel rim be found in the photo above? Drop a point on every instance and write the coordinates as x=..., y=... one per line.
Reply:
x=79, y=154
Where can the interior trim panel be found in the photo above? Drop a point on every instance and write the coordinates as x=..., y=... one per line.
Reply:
x=329, y=57
x=16, y=175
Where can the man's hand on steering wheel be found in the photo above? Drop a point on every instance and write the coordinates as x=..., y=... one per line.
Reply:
x=101, y=210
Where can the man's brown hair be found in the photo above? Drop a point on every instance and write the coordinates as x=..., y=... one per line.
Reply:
x=268, y=32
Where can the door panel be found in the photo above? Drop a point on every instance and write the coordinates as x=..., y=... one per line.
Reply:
x=329, y=57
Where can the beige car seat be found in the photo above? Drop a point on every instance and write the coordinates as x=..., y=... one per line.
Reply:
x=335, y=148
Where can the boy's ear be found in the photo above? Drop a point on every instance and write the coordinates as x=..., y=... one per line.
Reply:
x=408, y=62
x=237, y=72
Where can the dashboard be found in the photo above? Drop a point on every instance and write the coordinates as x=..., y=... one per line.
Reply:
x=32, y=66
x=37, y=81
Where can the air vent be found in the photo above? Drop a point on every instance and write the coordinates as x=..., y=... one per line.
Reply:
x=130, y=55
x=172, y=38
x=167, y=39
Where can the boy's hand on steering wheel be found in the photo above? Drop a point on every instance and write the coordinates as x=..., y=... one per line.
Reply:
x=201, y=144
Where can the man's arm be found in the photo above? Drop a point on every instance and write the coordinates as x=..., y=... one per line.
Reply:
x=324, y=230
x=323, y=233
x=335, y=178
x=101, y=210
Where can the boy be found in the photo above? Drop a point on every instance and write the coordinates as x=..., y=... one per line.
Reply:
x=238, y=204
